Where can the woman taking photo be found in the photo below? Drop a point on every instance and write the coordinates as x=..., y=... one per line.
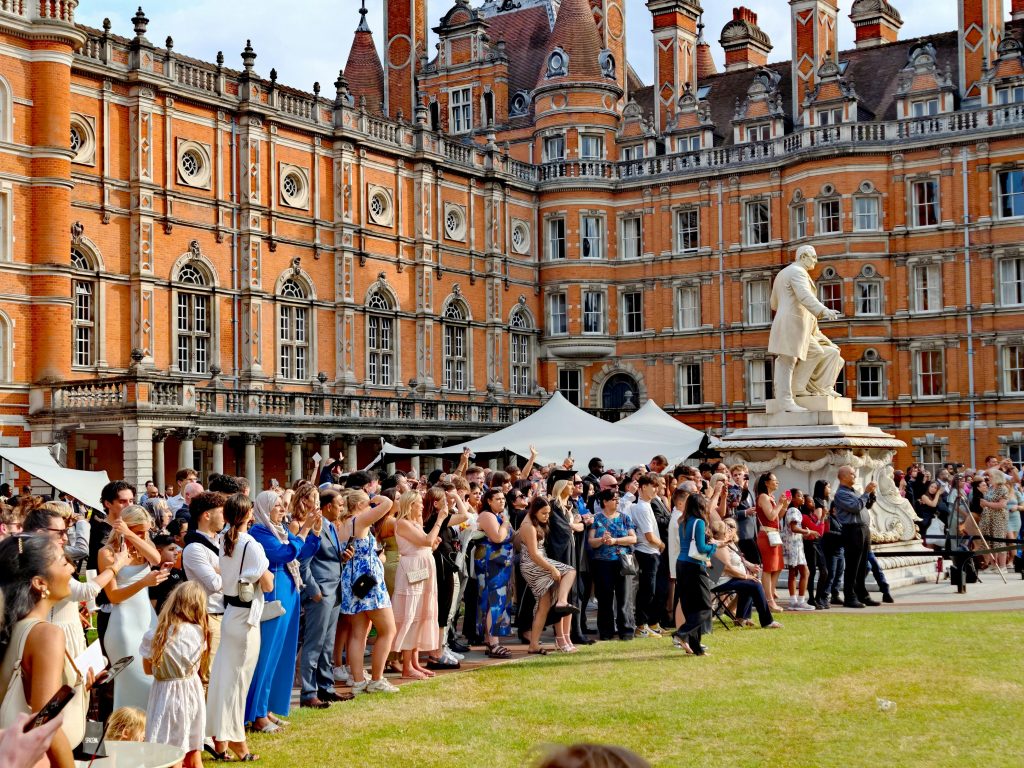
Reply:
x=769, y=537
x=271, y=690
x=364, y=598
x=926, y=506
x=692, y=580
x=611, y=536
x=304, y=501
x=493, y=573
x=549, y=580
x=414, y=603
x=35, y=663
x=244, y=568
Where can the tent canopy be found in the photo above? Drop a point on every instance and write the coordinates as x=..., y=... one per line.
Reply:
x=559, y=427
x=678, y=440
x=38, y=462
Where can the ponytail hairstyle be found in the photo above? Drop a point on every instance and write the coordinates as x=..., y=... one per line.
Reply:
x=237, y=510
x=762, y=484
x=185, y=605
x=131, y=515
x=24, y=557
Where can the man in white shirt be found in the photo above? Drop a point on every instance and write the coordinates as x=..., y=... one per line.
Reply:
x=647, y=550
x=201, y=557
x=182, y=477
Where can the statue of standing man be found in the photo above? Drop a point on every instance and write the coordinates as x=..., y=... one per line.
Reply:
x=806, y=362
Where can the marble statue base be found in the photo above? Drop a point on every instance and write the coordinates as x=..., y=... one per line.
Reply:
x=802, y=448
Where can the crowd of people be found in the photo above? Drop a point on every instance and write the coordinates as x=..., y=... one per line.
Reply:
x=222, y=594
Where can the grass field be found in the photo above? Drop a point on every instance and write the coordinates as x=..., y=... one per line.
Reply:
x=803, y=696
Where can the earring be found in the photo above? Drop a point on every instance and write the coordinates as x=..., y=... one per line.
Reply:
x=46, y=592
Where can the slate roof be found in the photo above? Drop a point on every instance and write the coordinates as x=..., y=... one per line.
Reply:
x=526, y=33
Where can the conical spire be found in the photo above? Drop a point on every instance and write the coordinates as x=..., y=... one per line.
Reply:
x=575, y=32
x=364, y=72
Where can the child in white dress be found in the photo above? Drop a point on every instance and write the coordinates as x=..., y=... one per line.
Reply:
x=793, y=533
x=177, y=654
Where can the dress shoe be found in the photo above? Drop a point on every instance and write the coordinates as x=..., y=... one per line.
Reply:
x=589, y=631
x=436, y=665
x=314, y=703
x=887, y=598
x=836, y=600
x=459, y=647
x=870, y=603
x=330, y=696
x=854, y=604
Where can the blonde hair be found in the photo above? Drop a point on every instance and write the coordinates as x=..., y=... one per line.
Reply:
x=562, y=489
x=132, y=515
x=60, y=507
x=126, y=724
x=353, y=498
x=185, y=605
x=996, y=477
x=719, y=476
x=405, y=505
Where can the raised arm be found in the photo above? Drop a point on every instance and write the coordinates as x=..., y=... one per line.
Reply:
x=413, y=533
x=525, y=474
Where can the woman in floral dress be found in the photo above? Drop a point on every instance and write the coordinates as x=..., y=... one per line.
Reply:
x=494, y=573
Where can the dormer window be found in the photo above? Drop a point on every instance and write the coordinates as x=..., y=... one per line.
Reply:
x=1013, y=94
x=520, y=104
x=607, y=62
x=830, y=116
x=924, y=108
x=691, y=143
x=558, y=63
x=632, y=152
x=759, y=132
x=460, y=110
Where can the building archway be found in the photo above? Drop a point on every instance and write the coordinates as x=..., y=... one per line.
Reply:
x=620, y=392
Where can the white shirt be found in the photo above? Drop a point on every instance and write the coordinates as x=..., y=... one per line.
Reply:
x=644, y=522
x=175, y=503
x=256, y=564
x=201, y=565
x=673, y=541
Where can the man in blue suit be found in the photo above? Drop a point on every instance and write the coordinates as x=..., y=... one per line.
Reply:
x=321, y=596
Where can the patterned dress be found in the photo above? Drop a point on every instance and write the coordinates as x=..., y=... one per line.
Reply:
x=364, y=560
x=493, y=574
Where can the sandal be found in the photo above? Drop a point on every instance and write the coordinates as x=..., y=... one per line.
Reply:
x=497, y=651
x=270, y=727
x=278, y=720
x=248, y=757
x=539, y=652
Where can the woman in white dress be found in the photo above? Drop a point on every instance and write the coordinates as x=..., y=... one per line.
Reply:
x=177, y=654
x=131, y=614
x=242, y=563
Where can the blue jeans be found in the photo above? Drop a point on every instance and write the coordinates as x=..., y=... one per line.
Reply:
x=835, y=562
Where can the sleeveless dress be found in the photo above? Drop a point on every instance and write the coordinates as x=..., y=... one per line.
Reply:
x=771, y=557
x=493, y=572
x=537, y=576
x=392, y=555
x=176, y=714
x=415, y=605
x=364, y=560
x=129, y=621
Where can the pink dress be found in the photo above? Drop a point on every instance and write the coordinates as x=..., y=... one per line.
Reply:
x=414, y=605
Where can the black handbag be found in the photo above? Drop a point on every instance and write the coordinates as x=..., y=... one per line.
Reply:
x=364, y=583
x=627, y=564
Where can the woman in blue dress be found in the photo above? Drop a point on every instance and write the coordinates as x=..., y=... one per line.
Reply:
x=364, y=595
x=271, y=688
x=493, y=573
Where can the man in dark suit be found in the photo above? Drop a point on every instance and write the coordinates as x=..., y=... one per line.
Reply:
x=321, y=596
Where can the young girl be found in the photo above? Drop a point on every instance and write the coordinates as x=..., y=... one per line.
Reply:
x=126, y=724
x=177, y=654
x=793, y=534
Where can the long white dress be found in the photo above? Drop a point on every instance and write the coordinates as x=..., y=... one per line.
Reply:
x=176, y=714
x=239, y=648
x=129, y=621
x=65, y=615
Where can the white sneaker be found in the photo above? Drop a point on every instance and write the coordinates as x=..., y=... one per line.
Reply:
x=643, y=631
x=342, y=675
x=449, y=652
x=447, y=657
x=805, y=607
x=793, y=606
x=381, y=686
x=360, y=687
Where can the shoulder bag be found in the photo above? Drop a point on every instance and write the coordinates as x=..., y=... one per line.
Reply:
x=365, y=582
x=246, y=590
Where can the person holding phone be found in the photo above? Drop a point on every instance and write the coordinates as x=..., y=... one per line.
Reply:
x=769, y=538
x=35, y=576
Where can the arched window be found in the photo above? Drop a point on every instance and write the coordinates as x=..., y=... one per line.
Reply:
x=293, y=331
x=193, y=321
x=6, y=111
x=380, y=339
x=6, y=348
x=83, y=319
x=456, y=357
x=520, y=352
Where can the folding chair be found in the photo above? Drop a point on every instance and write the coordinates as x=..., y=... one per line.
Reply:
x=720, y=597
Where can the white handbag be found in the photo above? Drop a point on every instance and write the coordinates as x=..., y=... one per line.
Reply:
x=420, y=574
x=696, y=554
x=774, y=537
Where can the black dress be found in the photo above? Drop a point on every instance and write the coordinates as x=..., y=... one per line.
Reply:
x=560, y=544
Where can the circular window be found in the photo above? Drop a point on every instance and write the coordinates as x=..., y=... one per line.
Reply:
x=520, y=237
x=76, y=139
x=380, y=207
x=518, y=104
x=294, y=191
x=191, y=164
x=291, y=185
x=556, y=62
x=454, y=223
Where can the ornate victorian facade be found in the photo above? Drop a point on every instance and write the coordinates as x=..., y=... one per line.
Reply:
x=222, y=270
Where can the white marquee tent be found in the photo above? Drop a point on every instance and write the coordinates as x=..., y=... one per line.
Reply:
x=559, y=427
x=39, y=462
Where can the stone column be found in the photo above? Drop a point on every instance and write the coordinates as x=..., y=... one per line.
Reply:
x=159, y=465
x=187, y=437
x=296, y=456
x=251, y=473
x=351, y=449
x=137, y=442
x=415, y=460
x=325, y=450
x=217, y=439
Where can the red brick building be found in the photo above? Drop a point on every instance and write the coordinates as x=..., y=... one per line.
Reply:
x=225, y=271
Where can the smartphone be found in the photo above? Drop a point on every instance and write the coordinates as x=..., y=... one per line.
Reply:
x=570, y=454
x=52, y=708
x=788, y=495
x=115, y=669
x=274, y=483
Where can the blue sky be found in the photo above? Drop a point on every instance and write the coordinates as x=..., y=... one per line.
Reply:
x=308, y=40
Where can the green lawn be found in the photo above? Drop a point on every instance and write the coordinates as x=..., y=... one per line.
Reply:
x=803, y=696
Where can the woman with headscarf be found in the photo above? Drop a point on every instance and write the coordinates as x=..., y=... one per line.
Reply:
x=271, y=687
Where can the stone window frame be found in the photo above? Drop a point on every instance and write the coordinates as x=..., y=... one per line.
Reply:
x=203, y=177
x=6, y=221
x=526, y=239
x=454, y=302
x=867, y=191
x=385, y=197
x=549, y=298
x=829, y=277
x=91, y=271
x=581, y=384
x=871, y=359
x=6, y=110
x=748, y=279
x=677, y=315
x=695, y=362
x=916, y=368
x=456, y=213
x=798, y=224
x=912, y=207
x=307, y=303
x=549, y=136
x=549, y=221
x=195, y=259
x=461, y=107
x=1012, y=255
x=748, y=241
x=677, y=228
x=582, y=136
x=300, y=177
x=829, y=196
x=602, y=291
x=85, y=127
x=997, y=195
x=925, y=448
x=391, y=312
x=6, y=348
x=636, y=216
x=521, y=324
x=759, y=361
x=622, y=292
x=931, y=266
x=868, y=276
x=602, y=230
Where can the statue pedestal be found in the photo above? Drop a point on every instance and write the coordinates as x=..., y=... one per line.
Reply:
x=802, y=448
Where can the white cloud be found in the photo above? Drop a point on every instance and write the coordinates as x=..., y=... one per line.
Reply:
x=309, y=40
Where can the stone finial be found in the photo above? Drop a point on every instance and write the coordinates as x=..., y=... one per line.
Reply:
x=220, y=58
x=316, y=88
x=106, y=25
x=363, y=26
x=248, y=57
x=341, y=85
x=169, y=43
x=273, y=74
x=140, y=22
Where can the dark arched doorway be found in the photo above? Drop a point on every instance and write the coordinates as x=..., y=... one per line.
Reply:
x=619, y=396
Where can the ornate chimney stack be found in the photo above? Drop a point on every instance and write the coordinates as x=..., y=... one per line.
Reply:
x=405, y=47
x=981, y=31
x=746, y=45
x=675, y=48
x=877, y=22
x=814, y=39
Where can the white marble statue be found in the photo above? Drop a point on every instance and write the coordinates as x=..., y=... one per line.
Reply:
x=807, y=362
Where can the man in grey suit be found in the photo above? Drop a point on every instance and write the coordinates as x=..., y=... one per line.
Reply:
x=321, y=598
x=806, y=361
